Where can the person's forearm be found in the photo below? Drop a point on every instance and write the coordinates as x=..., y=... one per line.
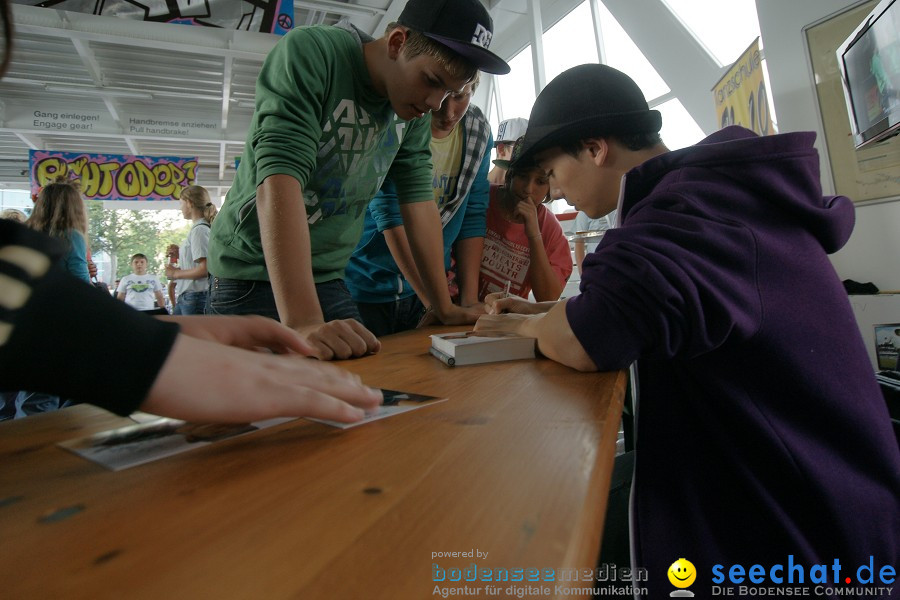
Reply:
x=160, y=299
x=425, y=235
x=284, y=232
x=579, y=255
x=544, y=282
x=468, y=266
x=398, y=244
x=198, y=272
x=555, y=338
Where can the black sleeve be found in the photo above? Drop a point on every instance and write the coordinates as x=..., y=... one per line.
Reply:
x=69, y=338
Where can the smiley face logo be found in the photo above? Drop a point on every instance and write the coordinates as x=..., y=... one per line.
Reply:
x=682, y=573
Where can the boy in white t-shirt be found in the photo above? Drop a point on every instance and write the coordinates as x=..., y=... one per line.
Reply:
x=138, y=289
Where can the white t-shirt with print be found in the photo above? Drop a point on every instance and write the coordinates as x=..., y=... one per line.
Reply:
x=139, y=290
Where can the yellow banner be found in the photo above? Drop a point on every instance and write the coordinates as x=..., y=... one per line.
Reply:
x=741, y=96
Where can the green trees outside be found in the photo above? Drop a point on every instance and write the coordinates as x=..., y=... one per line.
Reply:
x=123, y=233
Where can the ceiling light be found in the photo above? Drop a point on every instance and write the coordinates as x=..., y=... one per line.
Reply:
x=98, y=91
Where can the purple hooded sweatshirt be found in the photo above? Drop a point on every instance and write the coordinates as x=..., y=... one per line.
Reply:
x=761, y=431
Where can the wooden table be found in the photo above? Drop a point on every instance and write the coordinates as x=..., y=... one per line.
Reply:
x=516, y=464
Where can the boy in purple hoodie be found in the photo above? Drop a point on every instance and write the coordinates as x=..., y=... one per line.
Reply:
x=762, y=436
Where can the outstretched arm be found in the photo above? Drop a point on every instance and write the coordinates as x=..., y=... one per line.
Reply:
x=423, y=230
x=286, y=244
x=252, y=386
x=555, y=338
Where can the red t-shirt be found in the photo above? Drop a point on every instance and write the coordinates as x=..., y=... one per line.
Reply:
x=506, y=254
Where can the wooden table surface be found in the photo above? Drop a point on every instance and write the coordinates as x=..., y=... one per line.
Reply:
x=516, y=464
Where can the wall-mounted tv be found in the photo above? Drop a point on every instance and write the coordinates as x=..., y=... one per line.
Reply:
x=869, y=61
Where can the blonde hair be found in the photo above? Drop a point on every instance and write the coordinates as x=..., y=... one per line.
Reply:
x=417, y=43
x=14, y=214
x=198, y=198
x=58, y=209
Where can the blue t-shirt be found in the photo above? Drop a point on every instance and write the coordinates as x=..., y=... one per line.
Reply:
x=75, y=260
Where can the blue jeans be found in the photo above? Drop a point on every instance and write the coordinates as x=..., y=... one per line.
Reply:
x=190, y=303
x=238, y=297
x=385, y=318
x=15, y=405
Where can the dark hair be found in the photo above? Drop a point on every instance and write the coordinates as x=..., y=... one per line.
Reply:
x=512, y=172
x=138, y=255
x=632, y=141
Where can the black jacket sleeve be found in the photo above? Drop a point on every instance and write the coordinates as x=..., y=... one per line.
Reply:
x=59, y=335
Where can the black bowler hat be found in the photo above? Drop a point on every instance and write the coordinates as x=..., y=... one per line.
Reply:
x=464, y=26
x=585, y=101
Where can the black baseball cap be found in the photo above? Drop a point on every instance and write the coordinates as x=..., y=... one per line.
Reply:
x=584, y=101
x=464, y=26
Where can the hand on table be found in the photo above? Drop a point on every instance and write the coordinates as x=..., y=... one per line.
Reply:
x=204, y=381
x=343, y=338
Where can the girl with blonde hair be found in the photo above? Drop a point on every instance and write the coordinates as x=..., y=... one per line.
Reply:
x=59, y=211
x=190, y=275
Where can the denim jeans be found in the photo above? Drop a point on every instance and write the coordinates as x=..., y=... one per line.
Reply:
x=190, y=303
x=385, y=318
x=238, y=297
x=16, y=405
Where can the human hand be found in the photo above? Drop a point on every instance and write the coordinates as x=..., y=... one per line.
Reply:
x=527, y=212
x=499, y=302
x=339, y=339
x=460, y=315
x=171, y=270
x=247, y=332
x=509, y=323
x=252, y=386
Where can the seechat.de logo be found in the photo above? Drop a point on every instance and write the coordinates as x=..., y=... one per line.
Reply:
x=682, y=574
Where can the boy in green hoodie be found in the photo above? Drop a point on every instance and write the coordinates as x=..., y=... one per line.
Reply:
x=338, y=113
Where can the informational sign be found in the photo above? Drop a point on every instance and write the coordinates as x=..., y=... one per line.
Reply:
x=267, y=16
x=115, y=176
x=741, y=97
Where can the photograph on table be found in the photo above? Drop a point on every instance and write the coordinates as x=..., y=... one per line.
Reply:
x=887, y=345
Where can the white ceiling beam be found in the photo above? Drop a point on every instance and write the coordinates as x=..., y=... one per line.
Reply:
x=222, y=160
x=89, y=60
x=31, y=141
x=340, y=8
x=113, y=110
x=515, y=33
x=132, y=146
x=681, y=60
x=392, y=13
x=537, y=46
x=598, y=32
x=226, y=89
x=208, y=41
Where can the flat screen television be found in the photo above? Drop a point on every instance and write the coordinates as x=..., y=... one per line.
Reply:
x=869, y=61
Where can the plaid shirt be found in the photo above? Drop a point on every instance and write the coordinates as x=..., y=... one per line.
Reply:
x=477, y=134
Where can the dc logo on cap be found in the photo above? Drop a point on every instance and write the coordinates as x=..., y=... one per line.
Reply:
x=482, y=36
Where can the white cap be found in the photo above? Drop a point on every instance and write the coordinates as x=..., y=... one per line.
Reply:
x=511, y=129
